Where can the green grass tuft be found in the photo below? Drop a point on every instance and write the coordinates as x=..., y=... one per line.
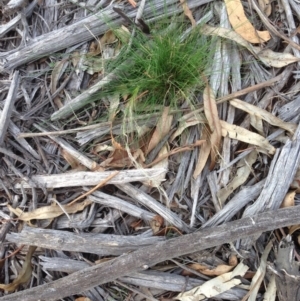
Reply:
x=163, y=69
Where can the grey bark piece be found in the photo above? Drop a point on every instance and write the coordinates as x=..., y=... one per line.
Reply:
x=176, y=283
x=87, y=178
x=8, y=153
x=148, y=279
x=290, y=110
x=84, y=98
x=214, y=188
x=81, y=31
x=295, y=5
x=182, y=172
x=280, y=177
x=286, y=271
x=8, y=106
x=133, y=262
x=15, y=131
x=195, y=189
x=291, y=24
x=154, y=205
x=62, y=264
x=241, y=199
x=101, y=244
x=84, y=160
x=99, y=224
x=119, y=204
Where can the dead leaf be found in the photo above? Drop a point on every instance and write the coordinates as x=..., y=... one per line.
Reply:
x=214, y=286
x=83, y=299
x=116, y=144
x=264, y=115
x=227, y=34
x=260, y=274
x=94, y=48
x=162, y=129
x=211, y=113
x=265, y=6
x=137, y=224
x=217, y=271
x=241, y=134
x=156, y=223
x=242, y=25
x=24, y=275
x=187, y=121
x=257, y=123
x=293, y=229
x=270, y=294
x=102, y=148
x=74, y=163
x=48, y=211
x=108, y=38
x=289, y=200
x=242, y=174
x=204, y=152
x=233, y=260
x=267, y=56
x=275, y=59
x=98, y=46
x=132, y=2
x=122, y=158
x=164, y=163
x=188, y=12
x=56, y=74
x=118, y=158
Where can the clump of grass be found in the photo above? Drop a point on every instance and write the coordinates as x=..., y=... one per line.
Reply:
x=161, y=69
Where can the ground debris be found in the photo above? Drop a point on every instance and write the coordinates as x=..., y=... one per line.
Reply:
x=147, y=150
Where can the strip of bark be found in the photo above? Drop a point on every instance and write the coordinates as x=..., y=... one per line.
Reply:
x=101, y=244
x=8, y=106
x=149, y=256
x=89, y=178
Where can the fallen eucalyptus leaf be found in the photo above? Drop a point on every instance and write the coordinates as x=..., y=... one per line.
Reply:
x=275, y=59
x=215, y=286
x=242, y=25
x=211, y=113
x=48, y=211
x=263, y=114
x=241, y=134
x=240, y=178
x=24, y=275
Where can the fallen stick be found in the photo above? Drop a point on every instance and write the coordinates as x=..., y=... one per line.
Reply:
x=148, y=256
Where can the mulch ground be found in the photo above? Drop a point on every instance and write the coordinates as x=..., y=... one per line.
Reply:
x=102, y=201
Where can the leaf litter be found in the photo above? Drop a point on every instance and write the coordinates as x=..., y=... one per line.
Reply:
x=136, y=123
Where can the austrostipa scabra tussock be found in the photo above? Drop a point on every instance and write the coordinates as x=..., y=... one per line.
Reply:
x=162, y=69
